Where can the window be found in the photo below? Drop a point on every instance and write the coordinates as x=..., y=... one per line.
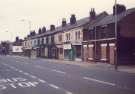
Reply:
x=52, y=39
x=42, y=40
x=47, y=40
x=60, y=38
x=66, y=36
x=38, y=41
x=79, y=34
x=76, y=35
x=69, y=35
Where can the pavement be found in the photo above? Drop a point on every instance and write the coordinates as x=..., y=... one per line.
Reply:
x=21, y=75
x=121, y=68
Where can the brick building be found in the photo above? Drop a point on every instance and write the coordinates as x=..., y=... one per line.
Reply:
x=102, y=41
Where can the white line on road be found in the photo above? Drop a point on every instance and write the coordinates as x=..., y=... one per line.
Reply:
x=20, y=71
x=67, y=92
x=54, y=86
x=58, y=71
x=32, y=76
x=42, y=81
x=99, y=81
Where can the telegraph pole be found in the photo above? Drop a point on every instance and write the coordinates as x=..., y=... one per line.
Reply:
x=116, y=61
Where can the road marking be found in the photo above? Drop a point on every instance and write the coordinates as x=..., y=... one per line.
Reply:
x=54, y=86
x=20, y=71
x=25, y=73
x=34, y=77
x=99, y=81
x=42, y=81
x=68, y=92
x=58, y=71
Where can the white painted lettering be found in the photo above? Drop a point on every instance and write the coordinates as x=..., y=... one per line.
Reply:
x=24, y=84
x=12, y=85
x=34, y=84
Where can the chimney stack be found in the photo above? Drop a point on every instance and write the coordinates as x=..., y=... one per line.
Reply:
x=52, y=27
x=39, y=31
x=43, y=29
x=120, y=8
x=92, y=13
x=64, y=23
x=72, y=19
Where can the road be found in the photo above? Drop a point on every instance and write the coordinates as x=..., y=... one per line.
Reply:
x=21, y=75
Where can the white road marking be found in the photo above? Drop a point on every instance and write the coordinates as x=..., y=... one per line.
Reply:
x=20, y=71
x=42, y=81
x=58, y=71
x=99, y=81
x=68, y=92
x=54, y=86
x=32, y=76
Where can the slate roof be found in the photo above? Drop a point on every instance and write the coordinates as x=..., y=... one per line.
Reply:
x=93, y=22
x=79, y=23
x=111, y=18
x=101, y=19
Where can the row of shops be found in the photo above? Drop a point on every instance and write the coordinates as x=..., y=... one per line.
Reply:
x=92, y=39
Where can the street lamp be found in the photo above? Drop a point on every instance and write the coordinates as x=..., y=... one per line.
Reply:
x=116, y=61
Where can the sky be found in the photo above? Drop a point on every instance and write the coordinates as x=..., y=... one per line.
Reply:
x=15, y=15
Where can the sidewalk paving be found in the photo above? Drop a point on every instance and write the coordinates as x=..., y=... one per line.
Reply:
x=121, y=68
x=127, y=69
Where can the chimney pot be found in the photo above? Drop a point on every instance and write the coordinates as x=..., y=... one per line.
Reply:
x=64, y=22
x=73, y=19
x=52, y=27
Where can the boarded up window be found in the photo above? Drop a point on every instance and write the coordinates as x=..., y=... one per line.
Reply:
x=90, y=52
x=103, y=52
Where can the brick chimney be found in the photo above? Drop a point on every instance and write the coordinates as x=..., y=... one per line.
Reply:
x=64, y=23
x=92, y=13
x=120, y=8
x=52, y=27
x=39, y=31
x=44, y=29
x=72, y=19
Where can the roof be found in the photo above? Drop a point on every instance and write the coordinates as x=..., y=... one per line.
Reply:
x=93, y=22
x=111, y=18
x=78, y=23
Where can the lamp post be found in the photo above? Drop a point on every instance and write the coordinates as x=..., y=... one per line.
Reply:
x=116, y=61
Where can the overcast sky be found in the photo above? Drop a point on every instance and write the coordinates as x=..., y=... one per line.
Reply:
x=45, y=12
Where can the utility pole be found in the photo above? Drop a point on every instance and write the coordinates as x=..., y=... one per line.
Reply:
x=95, y=44
x=116, y=61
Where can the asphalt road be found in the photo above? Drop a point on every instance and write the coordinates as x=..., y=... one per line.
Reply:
x=21, y=75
